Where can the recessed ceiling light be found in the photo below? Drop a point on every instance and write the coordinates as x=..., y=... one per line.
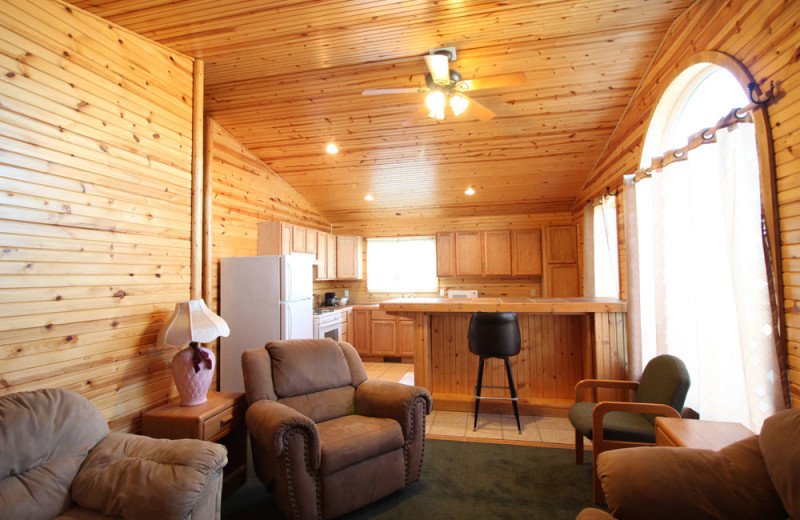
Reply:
x=369, y=197
x=332, y=148
x=469, y=191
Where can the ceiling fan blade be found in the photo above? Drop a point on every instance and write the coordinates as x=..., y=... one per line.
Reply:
x=479, y=111
x=381, y=91
x=500, y=80
x=421, y=112
x=439, y=68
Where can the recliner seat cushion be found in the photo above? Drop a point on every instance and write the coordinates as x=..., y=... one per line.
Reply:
x=307, y=366
x=45, y=435
x=351, y=439
x=618, y=426
x=324, y=405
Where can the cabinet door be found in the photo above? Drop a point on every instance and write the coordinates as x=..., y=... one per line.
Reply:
x=405, y=337
x=311, y=240
x=445, y=254
x=346, y=326
x=299, y=239
x=468, y=253
x=321, y=269
x=496, y=252
x=286, y=238
x=348, y=257
x=384, y=337
x=359, y=331
x=562, y=281
x=526, y=252
x=330, y=266
x=562, y=245
x=269, y=238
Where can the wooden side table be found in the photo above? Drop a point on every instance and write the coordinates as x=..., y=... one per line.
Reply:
x=693, y=433
x=220, y=419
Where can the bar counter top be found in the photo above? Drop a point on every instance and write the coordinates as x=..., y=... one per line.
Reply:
x=519, y=305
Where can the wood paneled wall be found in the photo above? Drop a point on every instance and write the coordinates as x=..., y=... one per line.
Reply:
x=764, y=36
x=246, y=191
x=95, y=179
x=486, y=286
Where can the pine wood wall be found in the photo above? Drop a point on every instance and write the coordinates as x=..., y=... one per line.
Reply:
x=765, y=37
x=246, y=191
x=95, y=179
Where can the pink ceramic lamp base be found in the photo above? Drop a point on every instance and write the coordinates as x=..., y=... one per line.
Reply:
x=192, y=386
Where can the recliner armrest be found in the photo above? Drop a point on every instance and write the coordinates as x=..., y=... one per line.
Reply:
x=392, y=401
x=273, y=424
x=138, y=477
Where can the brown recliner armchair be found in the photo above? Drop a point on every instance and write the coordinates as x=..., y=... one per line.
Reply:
x=756, y=477
x=325, y=439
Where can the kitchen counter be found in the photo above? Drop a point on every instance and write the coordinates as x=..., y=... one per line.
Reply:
x=564, y=340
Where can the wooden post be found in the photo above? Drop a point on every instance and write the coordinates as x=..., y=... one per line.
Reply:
x=208, y=159
x=197, y=181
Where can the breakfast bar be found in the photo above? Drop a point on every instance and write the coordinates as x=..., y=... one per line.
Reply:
x=563, y=341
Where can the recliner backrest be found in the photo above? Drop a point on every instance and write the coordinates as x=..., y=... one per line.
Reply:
x=665, y=380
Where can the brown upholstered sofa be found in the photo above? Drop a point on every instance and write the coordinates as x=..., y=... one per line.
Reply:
x=758, y=477
x=326, y=440
x=58, y=460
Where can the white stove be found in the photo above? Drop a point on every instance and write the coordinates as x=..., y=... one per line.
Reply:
x=328, y=323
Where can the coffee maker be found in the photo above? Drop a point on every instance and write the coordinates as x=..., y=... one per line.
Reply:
x=330, y=299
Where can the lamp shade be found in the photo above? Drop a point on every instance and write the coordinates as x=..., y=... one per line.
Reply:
x=191, y=322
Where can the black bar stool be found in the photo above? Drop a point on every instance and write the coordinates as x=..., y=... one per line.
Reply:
x=494, y=335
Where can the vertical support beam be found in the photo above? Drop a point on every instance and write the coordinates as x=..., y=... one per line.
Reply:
x=197, y=181
x=422, y=350
x=208, y=160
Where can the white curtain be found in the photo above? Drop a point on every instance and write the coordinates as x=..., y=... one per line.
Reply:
x=701, y=285
x=600, y=251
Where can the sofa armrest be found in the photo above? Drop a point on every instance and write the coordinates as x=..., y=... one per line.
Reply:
x=137, y=477
x=392, y=401
x=273, y=424
x=591, y=513
x=666, y=483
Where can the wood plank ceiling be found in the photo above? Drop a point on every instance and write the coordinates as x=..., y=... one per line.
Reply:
x=285, y=78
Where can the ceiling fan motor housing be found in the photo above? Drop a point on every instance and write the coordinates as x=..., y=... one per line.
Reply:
x=455, y=77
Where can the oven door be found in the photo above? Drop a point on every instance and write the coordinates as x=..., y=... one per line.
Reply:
x=332, y=329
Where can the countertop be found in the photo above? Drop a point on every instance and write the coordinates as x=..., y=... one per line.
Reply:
x=521, y=305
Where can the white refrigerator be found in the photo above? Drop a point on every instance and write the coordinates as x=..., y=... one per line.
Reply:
x=263, y=299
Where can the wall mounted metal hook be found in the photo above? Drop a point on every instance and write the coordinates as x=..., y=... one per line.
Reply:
x=768, y=94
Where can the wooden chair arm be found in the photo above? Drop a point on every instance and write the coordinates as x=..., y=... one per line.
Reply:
x=601, y=409
x=586, y=384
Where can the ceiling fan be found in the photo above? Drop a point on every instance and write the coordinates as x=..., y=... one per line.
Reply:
x=444, y=85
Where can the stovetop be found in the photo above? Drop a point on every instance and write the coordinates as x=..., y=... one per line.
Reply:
x=323, y=310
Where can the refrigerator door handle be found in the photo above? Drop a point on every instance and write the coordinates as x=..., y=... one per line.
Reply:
x=288, y=279
x=289, y=322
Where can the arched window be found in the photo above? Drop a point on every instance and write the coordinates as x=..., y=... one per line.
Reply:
x=701, y=275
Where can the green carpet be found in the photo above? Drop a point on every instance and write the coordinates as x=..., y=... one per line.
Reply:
x=463, y=481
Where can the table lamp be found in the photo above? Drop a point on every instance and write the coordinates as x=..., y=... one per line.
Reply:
x=192, y=323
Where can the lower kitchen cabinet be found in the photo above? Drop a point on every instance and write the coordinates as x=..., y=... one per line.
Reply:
x=405, y=337
x=383, y=336
x=359, y=331
x=376, y=334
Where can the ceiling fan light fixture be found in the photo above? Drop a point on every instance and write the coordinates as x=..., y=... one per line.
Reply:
x=469, y=191
x=332, y=148
x=439, y=68
x=458, y=104
x=368, y=197
x=435, y=102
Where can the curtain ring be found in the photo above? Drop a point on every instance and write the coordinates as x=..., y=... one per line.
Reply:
x=738, y=115
x=708, y=134
x=678, y=154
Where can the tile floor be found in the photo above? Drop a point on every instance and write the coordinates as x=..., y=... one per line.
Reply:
x=491, y=427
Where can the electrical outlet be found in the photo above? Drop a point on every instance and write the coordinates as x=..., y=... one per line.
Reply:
x=533, y=291
x=346, y=293
x=441, y=293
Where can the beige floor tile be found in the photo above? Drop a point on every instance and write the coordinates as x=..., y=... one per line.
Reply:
x=451, y=429
x=554, y=423
x=484, y=433
x=451, y=417
x=557, y=436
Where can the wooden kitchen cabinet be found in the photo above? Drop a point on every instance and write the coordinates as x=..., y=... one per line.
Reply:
x=311, y=240
x=526, y=252
x=562, y=245
x=360, y=331
x=468, y=253
x=330, y=266
x=383, y=337
x=561, y=262
x=321, y=269
x=445, y=254
x=405, y=337
x=298, y=239
x=348, y=257
x=496, y=252
x=563, y=281
x=275, y=238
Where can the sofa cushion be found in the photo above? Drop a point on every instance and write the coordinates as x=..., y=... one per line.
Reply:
x=307, y=366
x=138, y=477
x=45, y=436
x=781, y=450
x=618, y=426
x=325, y=405
x=660, y=483
x=353, y=438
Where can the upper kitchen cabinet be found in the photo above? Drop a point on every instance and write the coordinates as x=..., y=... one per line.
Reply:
x=275, y=238
x=321, y=271
x=445, y=254
x=526, y=252
x=348, y=257
x=561, y=278
x=468, y=253
x=311, y=240
x=496, y=252
x=298, y=239
x=330, y=266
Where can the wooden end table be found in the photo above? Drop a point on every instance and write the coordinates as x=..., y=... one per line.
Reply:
x=693, y=433
x=220, y=419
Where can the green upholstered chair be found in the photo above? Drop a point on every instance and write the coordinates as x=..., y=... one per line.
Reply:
x=614, y=424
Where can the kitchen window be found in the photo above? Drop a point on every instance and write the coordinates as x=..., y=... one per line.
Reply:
x=402, y=265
